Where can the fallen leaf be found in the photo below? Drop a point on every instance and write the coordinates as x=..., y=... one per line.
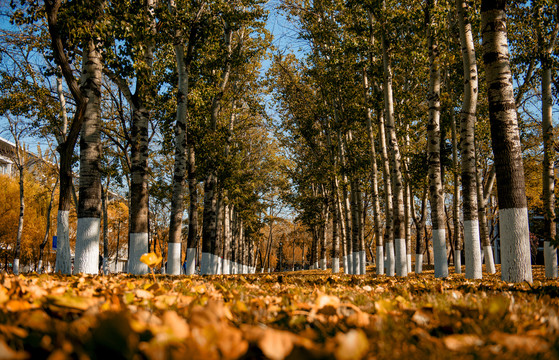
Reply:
x=276, y=344
x=352, y=345
x=176, y=324
x=7, y=353
x=421, y=318
x=521, y=343
x=462, y=342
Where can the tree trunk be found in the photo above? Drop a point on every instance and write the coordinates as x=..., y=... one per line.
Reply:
x=389, y=206
x=482, y=216
x=548, y=176
x=209, y=227
x=192, y=239
x=399, y=244
x=336, y=219
x=177, y=199
x=89, y=201
x=374, y=184
x=436, y=191
x=66, y=146
x=47, y=230
x=138, y=192
x=104, y=204
x=139, y=152
x=456, y=239
x=21, y=212
x=467, y=146
x=505, y=139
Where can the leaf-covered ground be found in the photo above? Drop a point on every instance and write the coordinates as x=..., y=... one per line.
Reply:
x=291, y=315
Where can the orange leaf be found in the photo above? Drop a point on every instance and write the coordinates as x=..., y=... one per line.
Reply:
x=151, y=259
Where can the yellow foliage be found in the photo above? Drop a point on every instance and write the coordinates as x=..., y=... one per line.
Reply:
x=36, y=198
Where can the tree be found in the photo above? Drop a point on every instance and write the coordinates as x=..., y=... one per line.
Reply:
x=436, y=190
x=467, y=144
x=89, y=203
x=513, y=212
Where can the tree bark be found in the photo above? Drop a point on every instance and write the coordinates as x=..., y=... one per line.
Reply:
x=192, y=238
x=467, y=145
x=374, y=183
x=436, y=191
x=66, y=147
x=548, y=176
x=505, y=139
x=399, y=244
x=389, y=207
x=456, y=239
x=89, y=200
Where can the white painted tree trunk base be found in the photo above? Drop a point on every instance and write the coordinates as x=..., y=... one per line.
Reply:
x=190, y=261
x=472, y=249
x=206, y=264
x=515, y=245
x=323, y=263
x=458, y=261
x=174, y=258
x=390, y=263
x=87, y=246
x=226, y=267
x=400, y=254
x=418, y=263
x=15, y=266
x=409, y=263
x=40, y=267
x=355, y=263
x=380, y=260
x=346, y=265
x=550, y=258
x=439, y=250
x=138, y=247
x=63, y=256
x=489, y=262
x=335, y=266
x=363, y=262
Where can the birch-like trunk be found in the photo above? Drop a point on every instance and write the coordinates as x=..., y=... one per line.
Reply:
x=177, y=199
x=374, y=184
x=548, y=175
x=21, y=211
x=436, y=192
x=104, y=205
x=399, y=244
x=47, y=229
x=505, y=139
x=89, y=200
x=192, y=238
x=467, y=145
x=139, y=152
x=457, y=238
x=389, y=207
x=482, y=216
x=209, y=226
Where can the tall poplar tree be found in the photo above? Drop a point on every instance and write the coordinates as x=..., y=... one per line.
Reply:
x=505, y=139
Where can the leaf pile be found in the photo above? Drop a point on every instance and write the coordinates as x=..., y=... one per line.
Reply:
x=310, y=315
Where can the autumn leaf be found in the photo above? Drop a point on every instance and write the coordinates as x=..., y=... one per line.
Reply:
x=462, y=342
x=275, y=344
x=151, y=259
x=351, y=345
